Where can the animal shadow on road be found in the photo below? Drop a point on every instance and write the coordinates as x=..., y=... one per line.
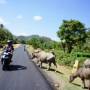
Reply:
x=53, y=70
x=79, y=85
x=76, y=84
x=15, y=68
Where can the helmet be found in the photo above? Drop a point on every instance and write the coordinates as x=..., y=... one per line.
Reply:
x=9, y=41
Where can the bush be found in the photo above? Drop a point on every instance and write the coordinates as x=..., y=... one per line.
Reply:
x=43, y=43
x=68, y=59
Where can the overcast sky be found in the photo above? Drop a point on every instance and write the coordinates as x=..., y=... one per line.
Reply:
x=42, y=17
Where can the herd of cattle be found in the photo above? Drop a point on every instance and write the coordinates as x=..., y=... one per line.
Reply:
x=40, y=56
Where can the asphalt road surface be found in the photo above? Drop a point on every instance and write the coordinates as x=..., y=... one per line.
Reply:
x=22, y=75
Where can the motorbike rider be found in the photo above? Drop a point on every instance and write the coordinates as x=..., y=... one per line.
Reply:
x=10, y=47
x=8, y=51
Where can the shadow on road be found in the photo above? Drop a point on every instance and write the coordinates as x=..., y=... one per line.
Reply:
x=79, y=85
x=15, y=67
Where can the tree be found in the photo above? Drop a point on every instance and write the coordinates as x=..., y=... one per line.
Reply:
x=87, y=44
x=4, y=34
x=73, y=33
x=35, y=42
x=42, y=42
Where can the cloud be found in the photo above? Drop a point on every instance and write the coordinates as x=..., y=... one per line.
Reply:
x=3, y=1
x=19, y=17
x=2, y=21
x=24, y=34
x=21, y=34
x=38, y=18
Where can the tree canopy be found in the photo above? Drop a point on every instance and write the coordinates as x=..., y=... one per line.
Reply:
x=72, y=33
x=5, y=34
x=43, y=43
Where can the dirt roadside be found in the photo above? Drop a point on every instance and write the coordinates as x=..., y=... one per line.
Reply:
x=55, y=78
x=60, y=79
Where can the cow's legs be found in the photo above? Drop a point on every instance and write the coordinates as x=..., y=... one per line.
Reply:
x=49, y=65
x=89, y=85
x=54, y=62
x=41, y=64
x=83, y=83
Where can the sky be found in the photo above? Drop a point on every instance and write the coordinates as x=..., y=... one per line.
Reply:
x=42, y=17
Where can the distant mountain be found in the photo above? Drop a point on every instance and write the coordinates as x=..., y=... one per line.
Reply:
x=21, y=37
x=31, y=36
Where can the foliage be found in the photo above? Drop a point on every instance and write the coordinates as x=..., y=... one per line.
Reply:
x=87, y=44
x=69, y=58
x=43, y=43
x=5, y=35
x=72, y=33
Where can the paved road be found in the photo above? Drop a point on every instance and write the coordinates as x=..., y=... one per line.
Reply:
x=23, y=75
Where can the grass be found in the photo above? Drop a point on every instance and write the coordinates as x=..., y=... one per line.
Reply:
x=29, y=49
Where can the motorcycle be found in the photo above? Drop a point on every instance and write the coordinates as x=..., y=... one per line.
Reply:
x=6, y=59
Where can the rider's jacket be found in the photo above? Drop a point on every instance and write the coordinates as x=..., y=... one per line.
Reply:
x=10, y=48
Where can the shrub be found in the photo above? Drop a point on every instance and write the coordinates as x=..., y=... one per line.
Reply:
x=68, y=58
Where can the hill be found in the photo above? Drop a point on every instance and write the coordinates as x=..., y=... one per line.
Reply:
x=25, y=38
